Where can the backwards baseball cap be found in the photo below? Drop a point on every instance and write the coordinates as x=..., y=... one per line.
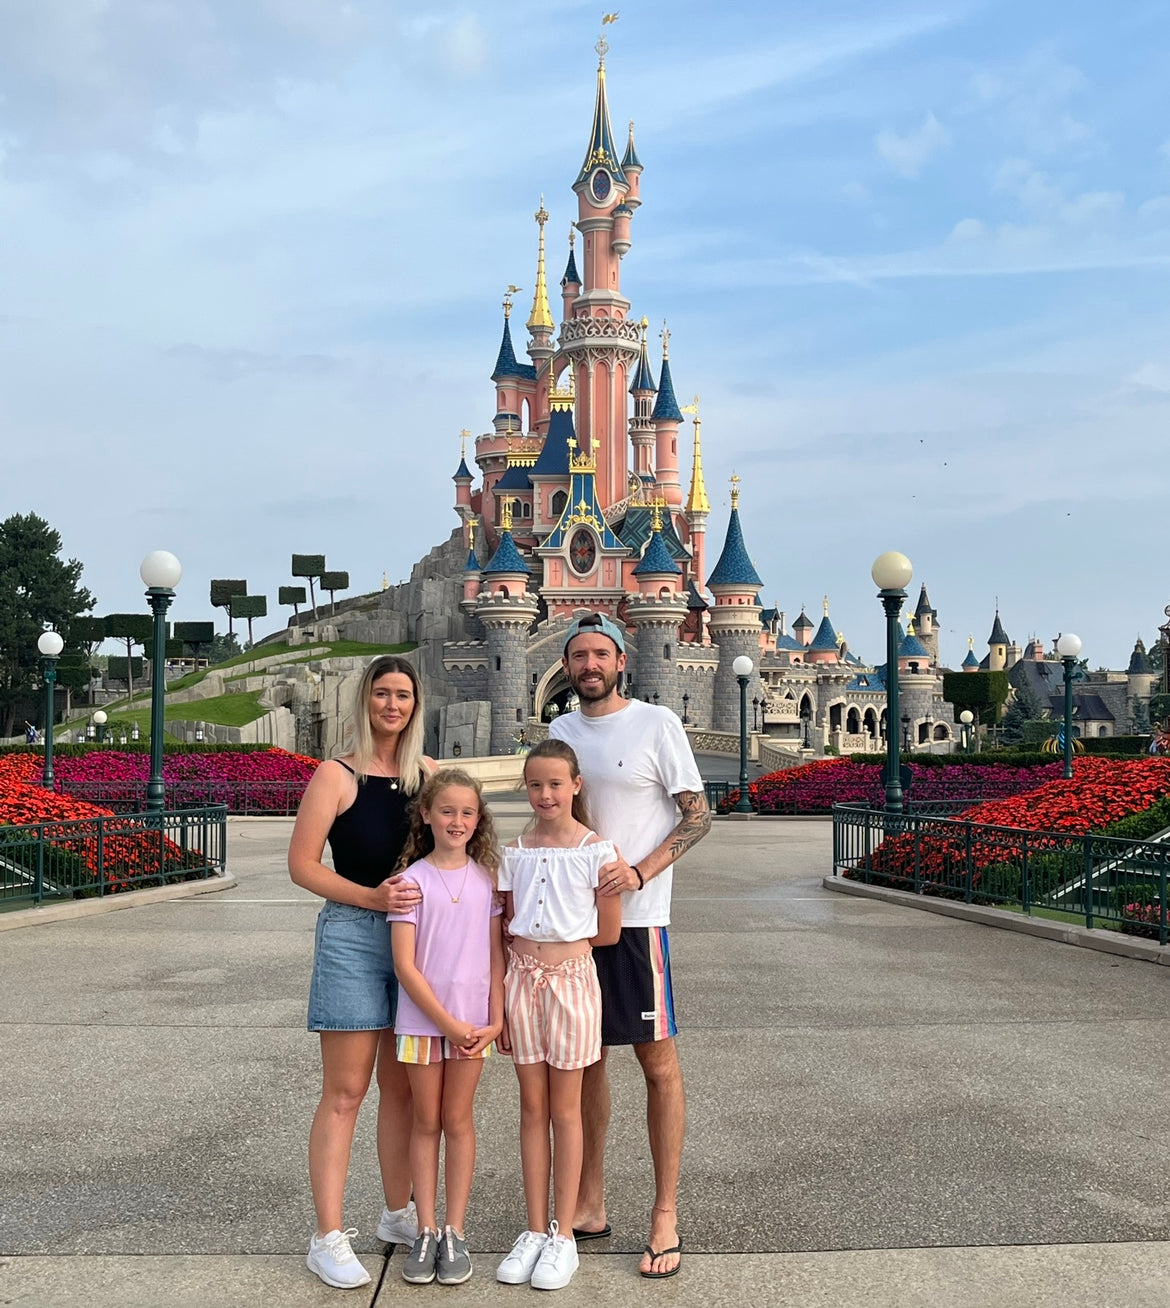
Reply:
x=595, y=623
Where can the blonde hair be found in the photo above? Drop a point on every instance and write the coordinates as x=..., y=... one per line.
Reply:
x=410, y=740
x=552, y=748
x=482, y=847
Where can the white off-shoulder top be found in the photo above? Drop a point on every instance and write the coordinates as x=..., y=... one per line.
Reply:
x=554, y=890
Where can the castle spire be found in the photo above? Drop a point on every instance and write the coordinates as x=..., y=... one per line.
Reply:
x=602, y=153
x=507, y=364
x=572, y=277
x=697, y=501
x=735, y=567
x=540, y=317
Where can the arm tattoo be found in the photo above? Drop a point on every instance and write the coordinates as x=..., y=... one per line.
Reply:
x=696, y=822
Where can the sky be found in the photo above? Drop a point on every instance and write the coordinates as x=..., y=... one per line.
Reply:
x=915, y=258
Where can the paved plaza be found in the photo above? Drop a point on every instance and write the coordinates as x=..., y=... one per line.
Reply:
x=887, y=1107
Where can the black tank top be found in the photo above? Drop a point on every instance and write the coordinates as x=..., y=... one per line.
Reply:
x=368, y=837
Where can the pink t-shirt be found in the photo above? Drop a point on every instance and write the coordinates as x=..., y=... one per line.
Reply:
x=452, y=944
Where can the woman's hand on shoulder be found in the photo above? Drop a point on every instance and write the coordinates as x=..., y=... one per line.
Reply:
x=397, y=894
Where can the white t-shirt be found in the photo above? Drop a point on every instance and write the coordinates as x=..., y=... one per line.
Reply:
x=633, y=763
x=554, y=890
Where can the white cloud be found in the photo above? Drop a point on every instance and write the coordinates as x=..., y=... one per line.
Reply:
x=1150, y=376
x=909, y=154
x=1032, y=98
x=969, y=229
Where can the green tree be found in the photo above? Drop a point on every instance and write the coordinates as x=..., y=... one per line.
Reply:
x=310, y=566
x=87, y=634
x=224, y=646
x=1025, y=706
x=133, y=629
x=38, y=589
x=250, y=606
x=294, y=595
x=334, y=581
x=222, y=591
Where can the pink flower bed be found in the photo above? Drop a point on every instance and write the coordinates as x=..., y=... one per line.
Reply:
x=112, y=766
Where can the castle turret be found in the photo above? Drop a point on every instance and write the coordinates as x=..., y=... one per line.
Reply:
x=541, y=327
x=642, y=388
x=571, y=281
x=632, y=167
x=802, y=629
x=463, y=480
x=926, y=624
x=507, y=611
x=472, y=574
x=735, y=619
x=997, y=646
x=825, y=646
x=971, y=662
x=698, y=507
x=667, y=416
x=1140, y=681
x=657, y=612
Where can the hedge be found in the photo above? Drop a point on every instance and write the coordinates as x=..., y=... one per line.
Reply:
x=137, y=747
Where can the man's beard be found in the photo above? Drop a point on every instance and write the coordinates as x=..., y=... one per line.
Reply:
x=596, y=690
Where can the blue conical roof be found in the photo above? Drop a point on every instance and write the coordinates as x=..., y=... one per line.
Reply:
x=554, y=453
x=462, y=472
x=912, y=648
x=643, y=377
x=507, y=557
x=1139, y=661
x=472, y=564
x=734, y=567
x=630, y=158
x=666, y=406
x=601, y=152
x=826, y=637
x=507, y=364
x=657, y=558
x=998, y=635
x=571, y=273
x=971, y=661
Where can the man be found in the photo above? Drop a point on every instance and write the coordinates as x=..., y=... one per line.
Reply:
x=639, y=776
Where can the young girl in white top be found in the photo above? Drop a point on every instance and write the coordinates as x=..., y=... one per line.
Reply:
x=552, y=1002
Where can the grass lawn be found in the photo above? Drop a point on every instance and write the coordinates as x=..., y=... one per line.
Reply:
x=1058, y=915
x=234, y=710
x=123, y=710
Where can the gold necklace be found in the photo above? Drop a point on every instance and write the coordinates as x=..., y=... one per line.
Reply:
x=455, y=898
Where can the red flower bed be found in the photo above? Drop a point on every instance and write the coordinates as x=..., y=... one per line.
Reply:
x=816, y=787
x=1100, y=791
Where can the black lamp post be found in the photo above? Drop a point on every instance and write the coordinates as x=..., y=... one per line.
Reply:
x=966, y=718
x=743, y=668
x=906, y=732
x=99, y=725
x=891, y=573
x=686, y=702
x=160, y=572
x=755, y=713
x=1068, y=647
x=806, y=719
x=50, y=645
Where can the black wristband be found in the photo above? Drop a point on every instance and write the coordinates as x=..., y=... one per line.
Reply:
x=634, y=870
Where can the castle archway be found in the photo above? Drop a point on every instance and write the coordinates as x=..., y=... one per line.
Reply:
x=552, y=688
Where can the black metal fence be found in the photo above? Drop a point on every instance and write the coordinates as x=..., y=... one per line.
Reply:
x=796, y=804
x=240, y=798
x=1103, y=880
x=104, y=855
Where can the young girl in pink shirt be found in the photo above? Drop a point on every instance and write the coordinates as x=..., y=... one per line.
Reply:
x=449, y=960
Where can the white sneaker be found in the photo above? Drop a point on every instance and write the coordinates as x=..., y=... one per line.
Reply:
x=558, y=1261
x=400, y=1227
x=335, y=1262
x=516, y=1269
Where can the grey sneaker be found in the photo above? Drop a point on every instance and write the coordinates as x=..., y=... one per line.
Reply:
x=400, y=1227
x=419, y=1268
x=454, y=1260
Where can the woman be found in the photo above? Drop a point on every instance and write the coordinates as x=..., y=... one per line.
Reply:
x=359, y=804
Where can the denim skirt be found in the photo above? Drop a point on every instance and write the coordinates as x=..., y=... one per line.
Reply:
x=353, y=986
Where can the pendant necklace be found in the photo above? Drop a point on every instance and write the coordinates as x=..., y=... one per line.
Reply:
x=455, y=898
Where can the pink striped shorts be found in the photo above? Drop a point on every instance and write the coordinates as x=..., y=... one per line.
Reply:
x=553, y=1011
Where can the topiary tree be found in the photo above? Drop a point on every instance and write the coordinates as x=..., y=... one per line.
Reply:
x=196, y=637
x=310, y=566
x=133, y=629
x=249, y=606
x=294, y=595
x=1025, y=707
x=334, y=581
x=221, y=596
x=124, y=669
x=87, y=634
x=984, y=693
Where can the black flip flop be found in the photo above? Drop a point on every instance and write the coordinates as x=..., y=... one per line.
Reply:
x=661, y=1253
x=580, y=1235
